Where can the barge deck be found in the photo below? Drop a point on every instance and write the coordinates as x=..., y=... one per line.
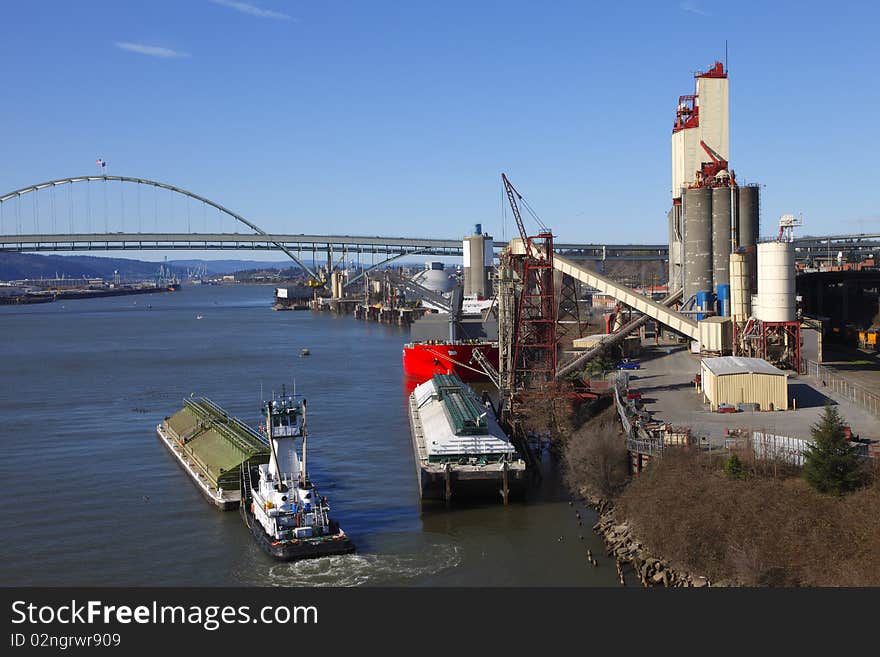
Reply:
x=211, y=446
x=458, y=445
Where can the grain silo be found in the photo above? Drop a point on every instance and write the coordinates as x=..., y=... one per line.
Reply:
x=478, y=254
x=675, y=264
x=748, y=219
x=721, y=223
x=697, y=241
x=740, y=297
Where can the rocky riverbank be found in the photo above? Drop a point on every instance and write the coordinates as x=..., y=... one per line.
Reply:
x=626, y=549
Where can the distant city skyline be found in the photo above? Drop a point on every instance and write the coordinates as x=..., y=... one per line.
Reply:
x=393, y=119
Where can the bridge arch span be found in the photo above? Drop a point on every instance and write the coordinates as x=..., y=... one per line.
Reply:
x=18, y=193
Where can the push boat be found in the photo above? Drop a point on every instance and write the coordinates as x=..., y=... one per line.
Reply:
x=281, y=506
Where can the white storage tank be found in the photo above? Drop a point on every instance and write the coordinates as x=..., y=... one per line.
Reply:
x=776, y=288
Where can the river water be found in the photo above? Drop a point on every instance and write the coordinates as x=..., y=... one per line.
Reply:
x=93, y=498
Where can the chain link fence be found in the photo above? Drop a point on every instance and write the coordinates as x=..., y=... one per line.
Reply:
x=856, y=393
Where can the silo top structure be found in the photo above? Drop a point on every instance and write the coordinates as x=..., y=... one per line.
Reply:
x=703, y=116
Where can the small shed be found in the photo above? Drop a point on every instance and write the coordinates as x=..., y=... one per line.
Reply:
x=716, y=335
x=736, y=380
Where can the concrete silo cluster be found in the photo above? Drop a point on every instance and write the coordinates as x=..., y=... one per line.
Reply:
x=718, y=224
x=712, y=217
x=744, y=289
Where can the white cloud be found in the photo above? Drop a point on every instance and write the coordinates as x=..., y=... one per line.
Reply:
x=252, y=10
x=694, y=8
x=152, y=51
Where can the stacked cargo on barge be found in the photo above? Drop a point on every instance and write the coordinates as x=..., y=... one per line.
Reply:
x=459, y=447
x=211, y=446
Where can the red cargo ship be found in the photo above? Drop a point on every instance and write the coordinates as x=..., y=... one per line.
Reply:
x=422, y=360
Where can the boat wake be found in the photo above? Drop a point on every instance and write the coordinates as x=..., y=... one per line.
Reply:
x=370, y=569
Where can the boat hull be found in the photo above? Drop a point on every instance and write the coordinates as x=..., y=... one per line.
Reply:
x=423, y=360
x=308, y=549
x=224, y=500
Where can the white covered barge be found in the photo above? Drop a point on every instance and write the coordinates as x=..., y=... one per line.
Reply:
x=459, y=447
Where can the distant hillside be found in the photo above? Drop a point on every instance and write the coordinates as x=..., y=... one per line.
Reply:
x=15, y=266
x=217, y=267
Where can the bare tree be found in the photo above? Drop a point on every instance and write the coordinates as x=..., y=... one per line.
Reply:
x=596, y=457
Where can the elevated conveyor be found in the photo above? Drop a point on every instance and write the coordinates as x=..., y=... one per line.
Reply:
x=653, y=309
x=611, y=340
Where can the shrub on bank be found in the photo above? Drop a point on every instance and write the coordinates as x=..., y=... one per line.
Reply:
x=595, y=456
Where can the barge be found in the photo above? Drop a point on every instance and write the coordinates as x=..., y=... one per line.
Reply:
x=211, y=446
x=459, y=447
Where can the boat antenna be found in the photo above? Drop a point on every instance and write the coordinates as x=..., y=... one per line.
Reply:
x=305, y=475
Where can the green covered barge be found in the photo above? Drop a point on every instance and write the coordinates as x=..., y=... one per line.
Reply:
x=211, y=446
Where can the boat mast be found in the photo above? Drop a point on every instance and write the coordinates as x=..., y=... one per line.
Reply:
x=272, y=444
x=304, y=471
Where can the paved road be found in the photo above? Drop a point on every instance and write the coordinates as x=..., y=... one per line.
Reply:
x=666, y=384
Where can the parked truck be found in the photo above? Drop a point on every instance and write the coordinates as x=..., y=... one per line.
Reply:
x=870, y=338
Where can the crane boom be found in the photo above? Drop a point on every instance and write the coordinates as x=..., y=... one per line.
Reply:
x=512, y=196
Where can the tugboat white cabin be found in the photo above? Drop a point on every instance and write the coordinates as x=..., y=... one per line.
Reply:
x=285, y=512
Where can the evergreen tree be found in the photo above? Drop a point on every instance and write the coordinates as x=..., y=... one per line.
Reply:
x=733, y=467
x=831, y=465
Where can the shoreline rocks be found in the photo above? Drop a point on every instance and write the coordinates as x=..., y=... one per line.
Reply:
x=625, y=548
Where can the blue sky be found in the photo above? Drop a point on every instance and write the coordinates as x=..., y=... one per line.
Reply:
x=397, y=118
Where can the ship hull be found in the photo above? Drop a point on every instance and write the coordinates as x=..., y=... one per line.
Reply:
x=423, y=360
x=306, y=549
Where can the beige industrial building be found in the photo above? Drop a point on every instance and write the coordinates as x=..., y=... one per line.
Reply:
x=735, y=380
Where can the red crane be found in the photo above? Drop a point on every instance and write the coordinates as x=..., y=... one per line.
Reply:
x=710, y=170
x=512, y=196
x=535, y=330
